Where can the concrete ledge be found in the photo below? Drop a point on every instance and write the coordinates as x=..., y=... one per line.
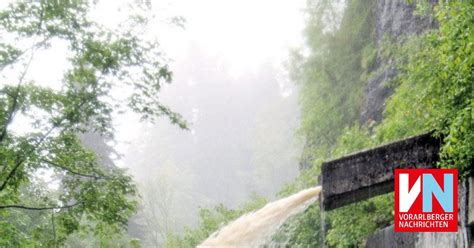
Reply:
x=387, y=238
x=369, y=173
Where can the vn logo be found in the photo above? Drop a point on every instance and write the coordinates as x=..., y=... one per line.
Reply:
x=426, y=200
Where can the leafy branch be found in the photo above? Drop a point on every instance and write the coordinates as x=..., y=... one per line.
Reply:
x=97, y=177
x=40, y=208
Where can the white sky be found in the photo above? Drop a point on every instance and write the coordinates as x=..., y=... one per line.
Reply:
x=244, y=33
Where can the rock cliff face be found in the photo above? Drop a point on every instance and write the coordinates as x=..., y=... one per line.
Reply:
x=394, y=19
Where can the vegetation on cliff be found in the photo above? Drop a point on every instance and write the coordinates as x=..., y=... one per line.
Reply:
x=433, y=92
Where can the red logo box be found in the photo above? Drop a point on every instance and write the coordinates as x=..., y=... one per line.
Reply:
x=426, y=200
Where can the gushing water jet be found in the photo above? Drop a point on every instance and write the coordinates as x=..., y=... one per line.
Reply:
x=253, y=229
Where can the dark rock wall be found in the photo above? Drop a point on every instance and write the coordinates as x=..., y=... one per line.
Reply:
x=395, y=19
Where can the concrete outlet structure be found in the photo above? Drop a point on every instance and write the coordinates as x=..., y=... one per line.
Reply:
x=369, y=173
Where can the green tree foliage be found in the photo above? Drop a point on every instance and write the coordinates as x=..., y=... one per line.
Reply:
x=101, y=60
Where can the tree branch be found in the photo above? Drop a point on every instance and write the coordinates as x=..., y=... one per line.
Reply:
x=40, y=208
x=11, y=174
x=71, y=171
x=20, y=162
x=14, y=106
x=10, y=116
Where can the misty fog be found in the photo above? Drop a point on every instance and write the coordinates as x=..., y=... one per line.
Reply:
x=241, y=139
x=231, y=84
